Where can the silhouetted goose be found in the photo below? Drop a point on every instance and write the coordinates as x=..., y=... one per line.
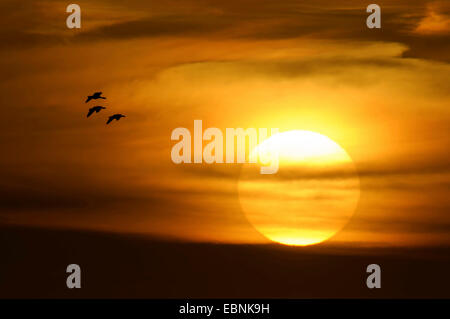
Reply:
x=95, y=109
x=115, y=117
x=96, y=95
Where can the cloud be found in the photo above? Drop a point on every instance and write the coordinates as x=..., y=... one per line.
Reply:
x=406, y=23
x=175, y=26
x=436, y=21
x=287, y=64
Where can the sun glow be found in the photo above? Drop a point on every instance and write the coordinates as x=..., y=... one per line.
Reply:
x=311, y=198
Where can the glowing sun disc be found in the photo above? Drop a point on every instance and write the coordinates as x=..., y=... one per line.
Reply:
x=311, y=197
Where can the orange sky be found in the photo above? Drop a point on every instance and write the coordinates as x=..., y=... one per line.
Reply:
x=383, y=95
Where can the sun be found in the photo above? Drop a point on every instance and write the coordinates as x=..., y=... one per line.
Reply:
x=311, y=197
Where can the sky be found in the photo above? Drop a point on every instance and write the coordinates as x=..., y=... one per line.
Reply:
x=381, y=94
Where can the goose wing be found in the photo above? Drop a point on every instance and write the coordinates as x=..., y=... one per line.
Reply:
x=91, y=110
x=110, y=119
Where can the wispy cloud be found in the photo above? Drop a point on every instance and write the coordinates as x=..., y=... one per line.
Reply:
x=380, y=94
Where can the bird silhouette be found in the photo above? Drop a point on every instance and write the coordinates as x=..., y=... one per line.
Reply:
x=96, y=95
x=95, y=109
x=115, y=117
